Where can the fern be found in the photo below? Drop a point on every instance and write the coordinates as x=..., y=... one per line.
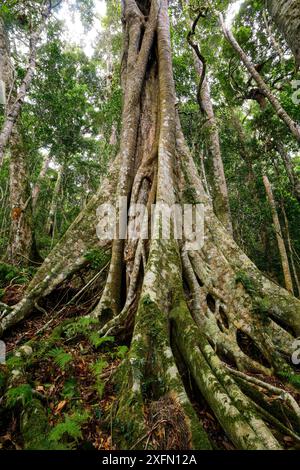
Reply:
x=71, y=427
x=60, y=357
x=97, y=369
x=15, y=362
x=80, y=326
x=22, y=394
x=70, y=388
x=293, y=379
x=121, y=351
x=97, y=340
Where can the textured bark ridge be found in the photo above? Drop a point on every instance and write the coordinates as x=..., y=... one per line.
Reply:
x=181, y=309
x=20, y=249
x=286, y=15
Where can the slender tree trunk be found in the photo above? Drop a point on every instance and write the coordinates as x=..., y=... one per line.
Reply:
x=292, y=175
x=220, y=199
x=6, y=69
x=37, y=187
x=272, y=39
x=15, y=106
x=289, y=244
x=281, y=246
x=280, y=111
x=20, y=243
x=179, y=305
x=50, y=226
x=286, y=16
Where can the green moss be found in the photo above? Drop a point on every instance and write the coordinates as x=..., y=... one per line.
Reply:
x=261, y=308
x=200, y=440
x=249, y=284
x=189, y=195
x=34, y=426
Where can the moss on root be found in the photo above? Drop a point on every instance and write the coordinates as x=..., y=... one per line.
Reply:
x=34, y=426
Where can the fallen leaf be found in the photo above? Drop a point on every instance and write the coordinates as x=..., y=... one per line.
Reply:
x=60, y=406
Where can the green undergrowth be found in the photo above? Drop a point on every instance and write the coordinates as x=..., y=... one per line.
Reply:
x=14, y=275
x=97, y=258
x=66, y=386
x=293, y=379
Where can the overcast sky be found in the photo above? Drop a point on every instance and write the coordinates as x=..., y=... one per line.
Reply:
x=75, y=32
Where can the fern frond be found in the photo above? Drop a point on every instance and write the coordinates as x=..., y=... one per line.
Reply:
x=22, y=394
x=71, y=427
x=97, y=340
x=60, y=357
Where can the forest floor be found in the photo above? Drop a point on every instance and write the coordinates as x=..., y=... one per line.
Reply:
x=74, y=381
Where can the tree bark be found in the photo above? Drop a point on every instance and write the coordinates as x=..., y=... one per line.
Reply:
x=220, y=199
x=280, y=111
x=279, y=236
x=50, y=227
x=15, y=106
x=21, y=239
x=290, y=170
x=290, y=247
x=37, y=187
x=286, y=16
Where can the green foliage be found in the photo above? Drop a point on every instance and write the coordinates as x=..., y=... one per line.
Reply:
x=70, y=388
x=293, y=379
x=80, y=326
x=189, y=195
x=15, y=362
x=60, y=357
x=97, y=258
x=20, y=394
x=97, y=340
x=147, y=300
x=249, y=283
x=12, y=274
x=69, y=428
x=121, y=351
x=97, y=369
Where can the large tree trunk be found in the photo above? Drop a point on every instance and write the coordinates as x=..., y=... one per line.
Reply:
x=181, y=308
x=286, y=15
